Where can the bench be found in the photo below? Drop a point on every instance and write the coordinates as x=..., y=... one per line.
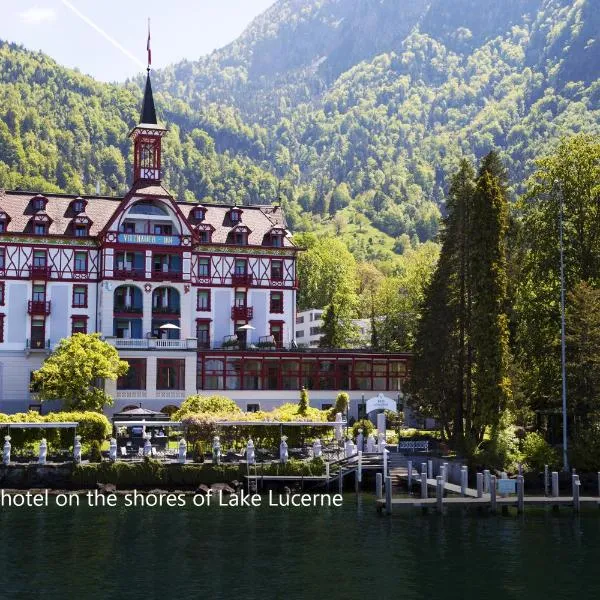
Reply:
x=413, y=446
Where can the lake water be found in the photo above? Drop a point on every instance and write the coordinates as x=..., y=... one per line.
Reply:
x=347, y=553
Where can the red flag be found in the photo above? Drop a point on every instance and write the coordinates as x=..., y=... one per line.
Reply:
x=148, y=46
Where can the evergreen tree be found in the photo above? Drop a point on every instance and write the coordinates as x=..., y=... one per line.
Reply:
x=304, y=403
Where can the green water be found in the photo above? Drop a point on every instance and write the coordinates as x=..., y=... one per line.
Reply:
x=346, y=553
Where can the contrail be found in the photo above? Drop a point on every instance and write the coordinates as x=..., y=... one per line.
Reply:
x=103, y=33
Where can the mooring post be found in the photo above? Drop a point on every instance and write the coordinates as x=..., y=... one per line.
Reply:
x=429, y=469
x=480, y=485
x=409, y=475
x=439, y=492
x=359, y=472
x=445, y=473
x=520, y=494
x=424, y=469
x=546, y=480
x=379, y=486
x=327, y=470
x=576, y=494
x=424, y=484
x=463, y=480
x=555, y=484
x=340, y=481
x=385, y=462
x=486, y=481
x=388, y=495
x=493, y=492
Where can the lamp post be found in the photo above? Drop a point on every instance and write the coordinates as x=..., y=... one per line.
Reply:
x=562, y=333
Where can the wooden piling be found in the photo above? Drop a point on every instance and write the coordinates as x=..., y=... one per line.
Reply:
x=340, y=481
x=576, y=495
x=388, y=495
x=359, y=472
x=429, y=469
x=520, y=494
x=439, y=492
x=493, y=493
x=409, y=475
x=486, y=481
x=424, y=484
x=445, y=472
x=463, y=481
x=479, y=485
x=555, y=490
x=379, y=485
x=546, y=480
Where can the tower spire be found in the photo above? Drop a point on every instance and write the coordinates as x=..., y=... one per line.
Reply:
x=148, y=114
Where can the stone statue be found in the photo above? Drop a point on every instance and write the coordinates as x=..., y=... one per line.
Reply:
x=147, y=447
x=6, y=450
x=43, y=452
x=77, y=450
x=283, y=450
x=216, y=450
x=317, y=450
x=250, y=456
x=380, y=442
x=182, y=451
x=338, y=426
x=360, y=440
x=112, y=450
x=349, y=448
x=370, y=443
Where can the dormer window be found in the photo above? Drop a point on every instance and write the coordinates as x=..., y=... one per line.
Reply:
x=199, y=213
x=204, y=237
x=81, y=230
x=4, y=220
x=78, y=205
x=277, y=238
x=39, y=202
x=40, y=224
x=40, y=228
x=235, y=215
x=240, y=238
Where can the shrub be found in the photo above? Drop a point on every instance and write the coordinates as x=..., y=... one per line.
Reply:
x=304, y=403
x=95, y=452
x=365, y=425
x=341, y=406
x=585, y=450
x=537, y=452
x=207, y=405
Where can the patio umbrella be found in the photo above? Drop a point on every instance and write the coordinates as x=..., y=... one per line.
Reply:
x=169, y=326
x=245, y=328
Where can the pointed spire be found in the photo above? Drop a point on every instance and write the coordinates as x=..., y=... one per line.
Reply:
x=148, y=114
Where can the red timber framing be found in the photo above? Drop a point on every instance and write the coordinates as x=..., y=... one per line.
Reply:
x=221, y=271
x=256, y=370
x=59, y=265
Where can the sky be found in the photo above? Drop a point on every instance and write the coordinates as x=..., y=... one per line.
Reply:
x=107, y=38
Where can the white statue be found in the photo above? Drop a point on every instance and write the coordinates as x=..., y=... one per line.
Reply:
x=360, y=440
x=317, y=450
x=112, y=451
x=182, y=451
x=6, y=451
x=380, y=442
x=43, y=452
x=370, y=443
x=250, y=456
x=147, y=447
x=216, y=449
x=338, y=426
x=77, y=450
x=349, y=448
x=283, y=450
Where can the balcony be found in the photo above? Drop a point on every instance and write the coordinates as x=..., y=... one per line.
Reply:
x=38, y=307
x=129, y=274
x=153, y=344
x=171, y=275
x=241, y=280
x=173, y=309
x=128, y=310
x=37, y=345
x=39, y=272
x=242, y=313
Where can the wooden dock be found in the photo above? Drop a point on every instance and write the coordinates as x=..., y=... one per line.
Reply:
x=509, y=501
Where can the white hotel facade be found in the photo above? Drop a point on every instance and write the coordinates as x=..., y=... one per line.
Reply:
x=197, y=298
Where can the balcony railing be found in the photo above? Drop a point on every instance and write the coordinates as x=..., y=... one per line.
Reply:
x=241, y=280
x=38, y=307
x=167, y=275
x=130, y=310
x=129, y=274
x=39, y=271
x=166, y=310
x=37, y=345
x=153, y=344
x=242, y=313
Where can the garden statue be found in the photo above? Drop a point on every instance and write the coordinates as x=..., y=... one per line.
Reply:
x=349, y=448
x=6, y=451
x=338, y=427
x=43, y=452
x=77, y=450
x=112, y=450
x=370, y=443
x=250, y=458
x=317, y=448
x=147, y=447
x=182, y=451
x=216, y=450
x=360, y=440
x=380, y=442
x=283, y=450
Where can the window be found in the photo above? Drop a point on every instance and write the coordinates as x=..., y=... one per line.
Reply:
x=199, y=214
x=299, y=320
x=203, y=300
x=277, y=270
x=40, y=228
x=78, y=206
x=39, y=293
x=300, y=333
x=1, y=327
x=203, y=333
x=148, y=208
x=240, y=266
x=80, y=262
x=276, y=302
x=163, y=230
x=170, y=374
x=235, y=215
x=38, y=332
x=2, y=293
x=78, y=324
x=135, y=378
x=39, y=203
x=81, y=230
x=80, y=296
x=204, y=267
x=240, y=299
x=213, y=374
x=128, y=227
x=204, y=236
x=240, y=238
x=2, y=258
x=39, y=258
x=2, y=226
x=277, y=332
x=290, y=373
x=277, y=239
x=252, y=408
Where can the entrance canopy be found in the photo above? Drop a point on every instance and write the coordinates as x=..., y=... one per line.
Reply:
x=381, y=402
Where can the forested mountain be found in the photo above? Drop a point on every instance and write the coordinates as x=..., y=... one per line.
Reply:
x=351, y=112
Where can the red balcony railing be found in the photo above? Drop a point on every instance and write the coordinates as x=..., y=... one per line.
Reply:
x=242, y=313
x=39, y=272
x=129, y=274
x=38, y=307
x=167, y=275
x=241, y=280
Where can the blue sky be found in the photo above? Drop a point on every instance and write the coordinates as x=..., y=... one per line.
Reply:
x=67, y=30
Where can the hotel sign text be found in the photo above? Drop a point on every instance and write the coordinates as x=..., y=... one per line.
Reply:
x=142, y=238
